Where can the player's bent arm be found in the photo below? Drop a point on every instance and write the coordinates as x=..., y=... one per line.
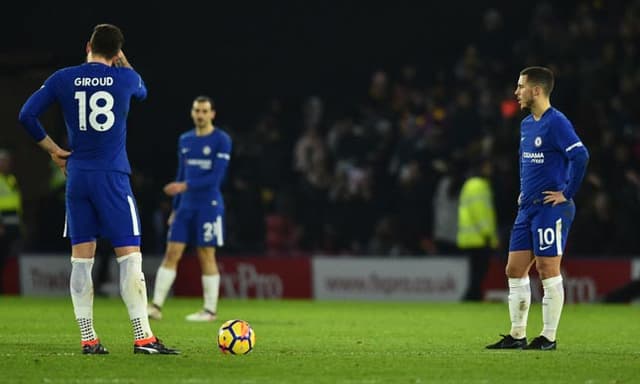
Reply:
x=213, y=178
x=578, y=160
x=35, y=105
x=218, y=171
x=52, y=147
x=58, y=155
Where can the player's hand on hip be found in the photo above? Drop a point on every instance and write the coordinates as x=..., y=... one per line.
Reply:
x=59, y=157
x=554, y=197
x=175, y=187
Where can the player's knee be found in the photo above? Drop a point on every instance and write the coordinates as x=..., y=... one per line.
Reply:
x=514, y=271
x=172, y=257
x=546, y=271
x=210, y=267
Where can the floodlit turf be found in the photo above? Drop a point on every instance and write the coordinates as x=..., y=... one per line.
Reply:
x=328, y=342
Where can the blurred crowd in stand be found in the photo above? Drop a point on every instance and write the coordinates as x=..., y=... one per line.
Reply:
x=381, y=174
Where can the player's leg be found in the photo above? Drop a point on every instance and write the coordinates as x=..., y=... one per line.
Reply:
x=165, y=276
x=210, y=285
x=519, y=263
x=210, y=236
x=551, y=229
x=133, y=290
x=519, y=298
x=552, y=301
x=119, y=221
x=81, y=226
x=81, y=288
x=178, y=237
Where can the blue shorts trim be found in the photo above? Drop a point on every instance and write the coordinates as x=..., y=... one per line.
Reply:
x=131, y=241
x=82, y=239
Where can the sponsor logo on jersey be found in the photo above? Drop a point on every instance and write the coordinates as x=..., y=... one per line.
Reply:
x=202, y=163
x=536, y=157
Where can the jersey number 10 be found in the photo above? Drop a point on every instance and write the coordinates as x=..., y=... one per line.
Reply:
x=95, y=110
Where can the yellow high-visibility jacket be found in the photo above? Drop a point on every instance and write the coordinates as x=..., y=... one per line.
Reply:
x=477, y=226
x=10, y=198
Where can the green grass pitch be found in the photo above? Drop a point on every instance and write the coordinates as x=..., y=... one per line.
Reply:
x=320, y=342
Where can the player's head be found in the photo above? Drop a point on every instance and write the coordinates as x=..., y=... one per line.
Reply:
x=534, y=83
x=106, y=41
x=203, y=111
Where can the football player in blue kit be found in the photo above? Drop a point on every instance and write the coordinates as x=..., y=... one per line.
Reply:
x=198, y=208
x=553, y=162
x=94, y=98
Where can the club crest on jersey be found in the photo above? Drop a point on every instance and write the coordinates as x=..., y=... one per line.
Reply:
x=538, y=141
x=206, y=150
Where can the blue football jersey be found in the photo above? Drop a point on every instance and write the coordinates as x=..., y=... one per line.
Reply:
x=202, y=164
x=94, y=99
x=547, y=147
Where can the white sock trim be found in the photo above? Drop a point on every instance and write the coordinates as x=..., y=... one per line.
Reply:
x=515, y=282
x=81, y=260
x=550, y=282
x=132, y=255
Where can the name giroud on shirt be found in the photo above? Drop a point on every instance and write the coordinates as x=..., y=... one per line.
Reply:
x=92, y=81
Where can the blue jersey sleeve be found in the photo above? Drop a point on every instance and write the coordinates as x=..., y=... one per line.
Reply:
x=35, y=105
x=140, y=89
x=220, y=164
x=569, y=144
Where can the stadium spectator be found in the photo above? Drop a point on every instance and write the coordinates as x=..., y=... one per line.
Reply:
x=10, y=212
x=435, y=105
x=477, y=228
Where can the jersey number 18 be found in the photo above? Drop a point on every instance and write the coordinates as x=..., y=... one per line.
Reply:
x=95, y=110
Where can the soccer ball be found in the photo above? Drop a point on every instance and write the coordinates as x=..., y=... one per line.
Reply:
x=236, y=337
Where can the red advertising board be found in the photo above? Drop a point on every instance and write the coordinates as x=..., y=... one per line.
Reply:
x=584, y=280
x=249, y=277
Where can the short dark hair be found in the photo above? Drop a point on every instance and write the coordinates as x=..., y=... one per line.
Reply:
x=205, y=99
x=106, y=40
x=541, y=76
